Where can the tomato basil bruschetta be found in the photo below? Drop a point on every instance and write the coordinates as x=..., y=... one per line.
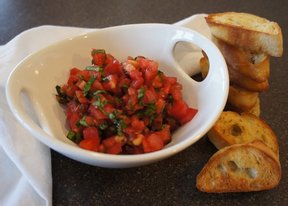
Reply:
x=122, y=108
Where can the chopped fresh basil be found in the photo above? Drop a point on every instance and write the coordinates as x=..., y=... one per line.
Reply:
x=112, y=116
x=97, y=51
x=141, y=93
x=160, y=75
x=75, y=137
x=150, y=109
x=103, y=126
x=94, y=68
x=120, y=125
x=82, y=122
x=88, y=85
x=61, y=97
x=105, y=79
x=100, y=104
x=100, y=91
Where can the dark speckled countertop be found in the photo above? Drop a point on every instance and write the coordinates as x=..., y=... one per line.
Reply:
x=172, y=181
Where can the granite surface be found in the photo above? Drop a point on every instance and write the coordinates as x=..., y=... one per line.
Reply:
x=172, y=181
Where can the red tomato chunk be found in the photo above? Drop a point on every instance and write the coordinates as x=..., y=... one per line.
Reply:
x=122, y=108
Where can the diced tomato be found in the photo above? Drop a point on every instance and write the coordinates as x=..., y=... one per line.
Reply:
x=150, y=96
x=97, y=113
x=90, y=144
x=165, y=134
x=108, y=108
x=80, y=97
x=152, y=143
x=96, y=86
x=176, y=92
x=171, y=80
x=74, y=71
x=109, y=59
x=112, y=145
x=99, y=58
x=73, y=120
x=89, y=120
x=178, y=109
x=157, y=82
x=72, y=107
x=188, y=116
x=151, y=71
x=160, y=105
x=85, y=75
x=81, y=84
x=137, y=125
x=110, y=83
x=123, y=108
x=113, y=67
x=73, y=79
x=137, y=79
x=142, y=62
x=69, y=90
x=91, y=133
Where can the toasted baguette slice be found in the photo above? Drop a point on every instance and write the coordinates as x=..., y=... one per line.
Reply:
x=233, y=128
x=240, y=168
x=254, y=66
x=247, y=31
x=245, y=82
x=236, y=78
x=204, y=66
x=255, y=110
x=241, y=98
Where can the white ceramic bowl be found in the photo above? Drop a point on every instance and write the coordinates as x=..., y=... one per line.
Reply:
x=31, y=86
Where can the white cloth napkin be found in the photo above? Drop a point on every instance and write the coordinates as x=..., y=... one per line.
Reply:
x=25, y=169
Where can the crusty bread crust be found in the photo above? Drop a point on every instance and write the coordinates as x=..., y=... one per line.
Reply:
x=253, y=66
x=242, y=98
x=233, y=128
x=255, y=110
x=204, y=67
x=240, y=168
x=245, y=82
x=247, y=31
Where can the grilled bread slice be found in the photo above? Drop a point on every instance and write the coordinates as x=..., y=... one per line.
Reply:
x=252, y=65
x=240, y=168
x=236, y=78
x=233, y=128
x=255, y=110
x=247, y=31
x=246, y=82
x=204, y=66
x=241, y=98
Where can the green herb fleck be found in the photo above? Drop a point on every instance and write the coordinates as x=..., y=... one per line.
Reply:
x=97, y=51
x=141, y=93
x=103, y=126
x=82, y=122
x=88, y=85
x=75, y=137
x=61, y=97
x=120, y=125
x=105, y=79
x=150, y=109
x=94, y=68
